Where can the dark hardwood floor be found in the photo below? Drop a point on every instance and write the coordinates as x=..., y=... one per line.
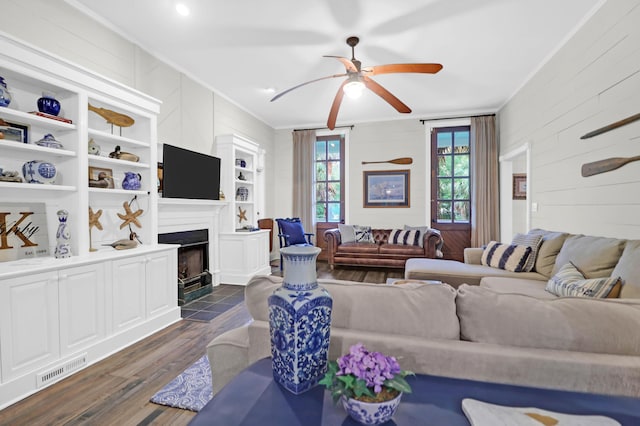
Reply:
x=116, y=391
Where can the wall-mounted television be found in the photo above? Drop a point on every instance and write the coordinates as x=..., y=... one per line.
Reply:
x=189, y=174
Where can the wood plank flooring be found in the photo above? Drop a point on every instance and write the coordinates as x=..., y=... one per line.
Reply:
x=116, y=391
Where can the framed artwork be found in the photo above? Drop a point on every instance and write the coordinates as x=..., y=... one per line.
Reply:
x=386, y=188
x=519, y=186
x=101, y=178
x=14, y=131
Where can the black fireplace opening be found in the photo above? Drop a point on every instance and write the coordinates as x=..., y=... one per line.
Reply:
x=194, y=278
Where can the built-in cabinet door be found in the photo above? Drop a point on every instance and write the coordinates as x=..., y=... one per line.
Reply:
x=129, y=280
x=82, y=306
x=30, y=331
x=162, y=281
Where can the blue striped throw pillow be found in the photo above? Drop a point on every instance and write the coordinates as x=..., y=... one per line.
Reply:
x=505, y=256
x=531, y=240
x=405, y=237
x=569, y=281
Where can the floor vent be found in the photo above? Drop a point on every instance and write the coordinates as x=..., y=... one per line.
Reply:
x=65, y=369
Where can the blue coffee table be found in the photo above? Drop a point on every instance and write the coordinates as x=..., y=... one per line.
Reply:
x=254, y=398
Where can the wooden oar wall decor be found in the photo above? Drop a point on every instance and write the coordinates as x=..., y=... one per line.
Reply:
x=403, y=160
x=608, y=164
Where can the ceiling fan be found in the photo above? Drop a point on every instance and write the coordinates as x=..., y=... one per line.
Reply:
x=358, y=78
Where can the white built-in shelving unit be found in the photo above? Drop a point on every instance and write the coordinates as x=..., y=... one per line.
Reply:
x=242, y=253
x=59, y=315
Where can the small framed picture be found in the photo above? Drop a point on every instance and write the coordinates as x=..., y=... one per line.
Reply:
x=519, y=186
x=14, y=131
x=101, y=178
x=388, y=188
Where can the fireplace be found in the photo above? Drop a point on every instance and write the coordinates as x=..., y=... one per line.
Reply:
x=194, y=279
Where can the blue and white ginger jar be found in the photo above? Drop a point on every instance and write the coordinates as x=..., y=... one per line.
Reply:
x=38, y=171
x=299, y=322
x=5, y=96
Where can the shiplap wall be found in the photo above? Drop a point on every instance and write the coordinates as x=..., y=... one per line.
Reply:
x=592, y=81
x=191, y=114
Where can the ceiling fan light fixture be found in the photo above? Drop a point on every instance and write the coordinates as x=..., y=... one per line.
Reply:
x=354, y=88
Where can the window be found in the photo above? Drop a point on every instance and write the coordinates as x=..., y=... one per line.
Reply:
x=329, y=178
x=451, y=188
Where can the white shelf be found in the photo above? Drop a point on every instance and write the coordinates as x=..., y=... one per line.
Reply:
x=116, y=191
x=35, y=120
x=27, y=147
x=118, y=140
x=96, y=159
x=35, y=186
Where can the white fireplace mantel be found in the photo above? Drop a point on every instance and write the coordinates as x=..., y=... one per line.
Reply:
x=180, y=214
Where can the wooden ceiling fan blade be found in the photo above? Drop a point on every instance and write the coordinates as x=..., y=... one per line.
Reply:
x=279, y=95
x=348, y=65
x=335, y=107
x=404, y=68
x=386, y=95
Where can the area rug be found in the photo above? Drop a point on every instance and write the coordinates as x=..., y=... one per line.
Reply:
x=191, y=390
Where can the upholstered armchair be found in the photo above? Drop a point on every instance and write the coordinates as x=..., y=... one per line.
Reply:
x=291, y=233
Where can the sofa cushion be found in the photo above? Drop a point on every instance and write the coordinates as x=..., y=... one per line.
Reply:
x=417, y=310
x=405, y=237
x=569, y=281
x=530, y=240
x=357, y=248
x=605, y=326
x=551, y=244
x=400, y=250
x=505, y=256
x=526, y=287
x=628, y=269
x=595, y=257
x=455, y=273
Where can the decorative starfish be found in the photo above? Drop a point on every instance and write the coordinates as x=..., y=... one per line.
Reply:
x=94, y=219
x=242, y=215
x=130, y=217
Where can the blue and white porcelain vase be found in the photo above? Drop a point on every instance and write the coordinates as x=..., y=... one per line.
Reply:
x=63, y=236
x=38, y=171
x=5, y=96
x=48, y=104
x=299, y=322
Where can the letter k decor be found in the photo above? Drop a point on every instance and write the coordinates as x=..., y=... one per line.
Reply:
x=23, y=231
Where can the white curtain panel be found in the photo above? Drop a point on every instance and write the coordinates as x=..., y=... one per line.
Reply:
x=303, y=171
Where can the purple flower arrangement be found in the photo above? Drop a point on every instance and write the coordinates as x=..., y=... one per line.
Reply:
x=366, y=376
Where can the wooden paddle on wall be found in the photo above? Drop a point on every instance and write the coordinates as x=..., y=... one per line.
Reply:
x=606, y=165
x=403, y=160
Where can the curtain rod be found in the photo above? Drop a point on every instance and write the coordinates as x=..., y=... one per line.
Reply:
x=424, y=120
x=322, y=128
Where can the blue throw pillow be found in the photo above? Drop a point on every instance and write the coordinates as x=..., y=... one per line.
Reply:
x=294, y=231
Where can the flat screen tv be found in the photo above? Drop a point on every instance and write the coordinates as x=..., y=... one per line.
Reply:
x=189, y=174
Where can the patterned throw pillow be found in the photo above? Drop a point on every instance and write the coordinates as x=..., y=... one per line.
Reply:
x=363, y=234
x=531, y=240
x=505, y=256
x=569, y=281
x=405, y=237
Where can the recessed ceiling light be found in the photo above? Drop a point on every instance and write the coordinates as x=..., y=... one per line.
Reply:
x=182, y=9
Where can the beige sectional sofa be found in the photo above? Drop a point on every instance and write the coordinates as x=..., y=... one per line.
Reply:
x=595, y=257
x=473, y=332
